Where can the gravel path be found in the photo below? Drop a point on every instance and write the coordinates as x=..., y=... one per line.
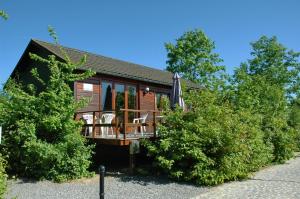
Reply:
x=280, y=181
x=116, y=187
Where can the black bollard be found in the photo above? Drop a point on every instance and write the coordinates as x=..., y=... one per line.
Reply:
x=101, y=181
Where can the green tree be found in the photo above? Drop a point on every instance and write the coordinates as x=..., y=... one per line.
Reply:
x=294, y=119
x=264, y=85
x=42, y=139
x=3, y=175
x=193, y=58
x=276, y=63
x=214, y=141
x=295, y=114
x=230, y=132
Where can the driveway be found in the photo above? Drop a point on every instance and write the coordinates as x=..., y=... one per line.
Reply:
x=280, y=181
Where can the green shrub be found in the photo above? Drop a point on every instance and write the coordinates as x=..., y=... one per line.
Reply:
x=235, y=125
x=258, y=95
x=211, y=143
x=284, y=145
x=62, y=161
x=267, y=84
x=3, y=177
x=294, y=120
x=40, y=137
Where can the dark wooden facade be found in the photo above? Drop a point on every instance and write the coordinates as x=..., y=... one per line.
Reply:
x=115, y=72
x=145, y=101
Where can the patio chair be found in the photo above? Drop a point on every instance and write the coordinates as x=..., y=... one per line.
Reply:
x=88, y=120
x=106, y=119
x=140, y=120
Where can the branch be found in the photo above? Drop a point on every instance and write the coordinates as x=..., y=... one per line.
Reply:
x=3, y=14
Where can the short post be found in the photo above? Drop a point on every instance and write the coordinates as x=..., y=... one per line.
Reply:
x=101, y=181
x=131, y=163
x=134, y=148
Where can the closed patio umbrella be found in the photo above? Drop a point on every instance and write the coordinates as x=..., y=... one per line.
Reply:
x=108, y=99
x=176, y=95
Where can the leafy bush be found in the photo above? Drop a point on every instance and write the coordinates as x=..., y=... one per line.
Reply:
x=3, y=177
x=41, y=137
x=294, y=116
x=258, y=96
x=294, y=120
x=209, y=144
x=235, y=125
x=62, y=161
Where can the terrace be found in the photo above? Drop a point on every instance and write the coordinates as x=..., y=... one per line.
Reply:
x=122, y=127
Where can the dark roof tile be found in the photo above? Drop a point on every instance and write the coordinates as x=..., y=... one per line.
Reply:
x=110, y=66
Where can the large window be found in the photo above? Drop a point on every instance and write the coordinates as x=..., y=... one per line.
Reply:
x=109, y=104
x=106, y=96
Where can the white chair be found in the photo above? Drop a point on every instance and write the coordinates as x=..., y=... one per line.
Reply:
x=140, y=120
x=106, y=119
x=89, y=120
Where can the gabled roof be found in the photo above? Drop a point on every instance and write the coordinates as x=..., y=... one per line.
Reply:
x=114, y=67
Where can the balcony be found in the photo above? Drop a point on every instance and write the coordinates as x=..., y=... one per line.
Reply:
x=119, y=127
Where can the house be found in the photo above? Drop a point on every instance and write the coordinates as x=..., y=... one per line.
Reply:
x=124, y=98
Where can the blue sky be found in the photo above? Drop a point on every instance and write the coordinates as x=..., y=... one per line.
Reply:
x=136, y=30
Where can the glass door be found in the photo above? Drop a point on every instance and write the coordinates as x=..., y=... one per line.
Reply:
x=131, y=101
x=120, y=100
x=113, y=98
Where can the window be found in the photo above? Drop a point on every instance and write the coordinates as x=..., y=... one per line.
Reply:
x=87, y=87
x=107, y=101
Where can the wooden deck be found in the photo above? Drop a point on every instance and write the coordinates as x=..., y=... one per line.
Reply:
x=112, y=140
x=120, y=133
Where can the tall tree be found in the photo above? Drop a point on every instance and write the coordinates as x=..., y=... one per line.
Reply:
x=3, y=176
x=276, y=63
x=213, y=142
x=192, y=56
x=264, y=85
